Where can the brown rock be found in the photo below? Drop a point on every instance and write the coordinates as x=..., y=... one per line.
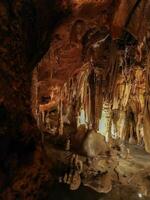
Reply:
x=94, y=144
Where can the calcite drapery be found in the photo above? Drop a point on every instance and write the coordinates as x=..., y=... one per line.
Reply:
x=147, y=108
x=113, y=53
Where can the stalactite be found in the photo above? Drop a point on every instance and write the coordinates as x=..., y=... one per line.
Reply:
x=61, y=125
x=147, y=108
x=92, y=93
x=111, y=73
x=122, y=125
x=81, y=96
x=128, y=91
x=34, y=92
x=43, y=116
x=89, y=105
x=98, y=96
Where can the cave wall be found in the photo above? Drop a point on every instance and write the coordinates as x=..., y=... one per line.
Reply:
x=26, y=30
x=25, y=34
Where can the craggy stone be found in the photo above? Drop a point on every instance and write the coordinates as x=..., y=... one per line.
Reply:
x=94, y=144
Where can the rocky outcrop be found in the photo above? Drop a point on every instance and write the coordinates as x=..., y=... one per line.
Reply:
x=94, y=144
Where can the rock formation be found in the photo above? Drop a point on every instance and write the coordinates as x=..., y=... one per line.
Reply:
x=71, y=71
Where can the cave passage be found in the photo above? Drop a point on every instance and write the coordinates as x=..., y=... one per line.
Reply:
x=74, y=99
x=89, y=96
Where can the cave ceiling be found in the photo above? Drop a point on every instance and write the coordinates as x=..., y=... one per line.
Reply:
x=87, y=35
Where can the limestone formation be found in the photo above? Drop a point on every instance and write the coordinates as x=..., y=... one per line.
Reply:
x=94, y=144
x=74, y=92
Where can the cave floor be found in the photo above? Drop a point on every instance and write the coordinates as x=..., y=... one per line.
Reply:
x=133, y=171
x=138, y=161
x=84, y=193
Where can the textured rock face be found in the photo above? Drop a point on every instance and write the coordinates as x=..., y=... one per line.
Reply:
x=94, y=144
x=26, y=29
x=101, y=184
x=31, y=180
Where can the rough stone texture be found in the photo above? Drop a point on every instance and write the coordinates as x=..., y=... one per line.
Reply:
x=31, y=180
x=26, y=29
x=101, y=183
x=94, y=144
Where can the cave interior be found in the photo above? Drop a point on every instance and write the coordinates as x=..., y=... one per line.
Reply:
x=74, y=99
